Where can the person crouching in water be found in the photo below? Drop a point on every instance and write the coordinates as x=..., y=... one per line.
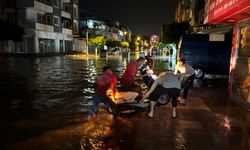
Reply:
x=184, y=68
x=169, y=83
x=103, y=83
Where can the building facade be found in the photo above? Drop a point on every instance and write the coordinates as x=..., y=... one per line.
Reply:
x=51, y=26
x=191, y=11
x=237, y=14
x=91, y=25
x=112, y=31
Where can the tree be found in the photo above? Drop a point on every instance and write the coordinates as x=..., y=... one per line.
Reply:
x=125, y=44
x=161, y=45
x=173, y=32
x=132, y=45
x=97, y=40
x=113, y=43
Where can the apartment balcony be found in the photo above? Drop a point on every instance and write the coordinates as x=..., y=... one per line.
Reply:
x=65, y=1
x=42, y=7
x=75, y=1
x=66, y=14
x=44, y=27
x=67, y=31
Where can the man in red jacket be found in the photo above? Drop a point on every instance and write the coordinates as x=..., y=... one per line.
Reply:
x=103, y=83
x=128, y=78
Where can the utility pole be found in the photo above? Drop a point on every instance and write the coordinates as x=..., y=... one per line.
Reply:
x=87, y=42
x=87, y=38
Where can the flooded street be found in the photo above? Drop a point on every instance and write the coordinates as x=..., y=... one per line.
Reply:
x=53, y=85
x=44, y=102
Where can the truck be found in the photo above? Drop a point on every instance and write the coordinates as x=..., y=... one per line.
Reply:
x=208, y=54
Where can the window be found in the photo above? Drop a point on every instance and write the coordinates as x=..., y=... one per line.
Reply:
x=75, y=27
x=55, y=3
x=56, y=21
x=68, y=46
x=75, y=12
x=45, y=1
x=48, y=19
x=66, y=24
x=39, y=18
x=46, y=45
x=66, y=7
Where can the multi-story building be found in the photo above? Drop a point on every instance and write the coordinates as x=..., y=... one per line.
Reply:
x=191, y=11
x=182, y=12
x=98, y=27
x=90, y=25
x=51, y=26
x=111, y=30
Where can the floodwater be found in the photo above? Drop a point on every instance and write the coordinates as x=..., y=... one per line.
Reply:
x=54, y=85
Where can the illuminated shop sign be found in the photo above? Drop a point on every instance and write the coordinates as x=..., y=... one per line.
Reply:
x=220, y=6
x=219, y=9
x=244, y=43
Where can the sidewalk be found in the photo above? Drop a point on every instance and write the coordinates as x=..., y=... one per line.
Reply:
x=209, y=121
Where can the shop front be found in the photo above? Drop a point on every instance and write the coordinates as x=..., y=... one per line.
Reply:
x=236, y=12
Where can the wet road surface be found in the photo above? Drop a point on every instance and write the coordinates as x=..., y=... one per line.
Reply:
x=210, y=120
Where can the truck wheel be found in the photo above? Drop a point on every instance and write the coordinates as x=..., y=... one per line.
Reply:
x=199, y=73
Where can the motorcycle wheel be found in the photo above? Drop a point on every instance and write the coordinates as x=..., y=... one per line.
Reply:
x=164, y=99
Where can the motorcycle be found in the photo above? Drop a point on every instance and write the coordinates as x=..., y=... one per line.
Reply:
x=127, y=102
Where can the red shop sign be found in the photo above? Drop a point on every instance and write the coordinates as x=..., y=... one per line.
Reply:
x=219, y=10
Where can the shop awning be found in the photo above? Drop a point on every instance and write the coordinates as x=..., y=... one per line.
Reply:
x=227, y=11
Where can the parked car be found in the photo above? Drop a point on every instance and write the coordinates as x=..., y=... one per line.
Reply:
x=115, y=51
x=207, y=55
x=103, y=53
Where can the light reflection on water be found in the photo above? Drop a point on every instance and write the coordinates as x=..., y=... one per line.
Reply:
x=52, y=85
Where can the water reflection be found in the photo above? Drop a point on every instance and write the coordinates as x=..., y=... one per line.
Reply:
x=226, y=123
x=52, y=85
x=97, y=131
x=105, y=132
x=180, y=140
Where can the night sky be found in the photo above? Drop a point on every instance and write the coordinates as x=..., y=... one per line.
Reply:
x=143, y=17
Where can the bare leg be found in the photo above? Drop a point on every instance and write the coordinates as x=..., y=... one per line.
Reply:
x=174, y=112
x=152, y=105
